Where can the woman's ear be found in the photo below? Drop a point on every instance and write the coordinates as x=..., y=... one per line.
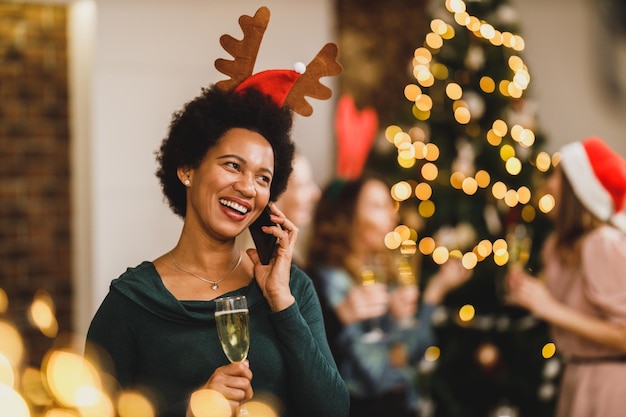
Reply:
x=184, y=175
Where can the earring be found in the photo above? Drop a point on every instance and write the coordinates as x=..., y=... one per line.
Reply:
x=187, y=182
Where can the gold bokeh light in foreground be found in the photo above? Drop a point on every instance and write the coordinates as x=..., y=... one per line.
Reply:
x=401, y=191
x=42, y=314
x=441, y=255
x=4, y=301
x=11, y=343
x=391, y=132
x=427, y=245
x=133, y=404
x=209, y=403
x=12, y=403
x=469, y=260
x=423, y=191
x=71, y=378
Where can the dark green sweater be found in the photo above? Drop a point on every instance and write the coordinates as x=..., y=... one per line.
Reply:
x=169, y=348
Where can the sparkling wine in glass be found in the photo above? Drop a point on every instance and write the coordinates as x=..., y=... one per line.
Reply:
x=519, y=241
x=233, y=328
x=371, y=273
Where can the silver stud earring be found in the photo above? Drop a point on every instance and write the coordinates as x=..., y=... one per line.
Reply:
x=187, y=182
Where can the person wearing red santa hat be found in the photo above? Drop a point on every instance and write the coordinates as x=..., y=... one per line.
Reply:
x=583, y=296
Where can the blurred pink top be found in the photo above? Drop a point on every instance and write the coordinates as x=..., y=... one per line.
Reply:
x=596, y=288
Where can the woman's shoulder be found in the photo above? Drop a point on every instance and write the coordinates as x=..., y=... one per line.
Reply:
x=605, y=234
x=604, y=242
x=142, y=278
x=141, y=273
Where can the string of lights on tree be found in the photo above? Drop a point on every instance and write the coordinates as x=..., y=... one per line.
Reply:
x=514, y=143
x=495, y=161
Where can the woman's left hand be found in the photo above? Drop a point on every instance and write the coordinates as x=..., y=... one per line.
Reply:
x=403, y=301
x=273, y=279
x=530, y=293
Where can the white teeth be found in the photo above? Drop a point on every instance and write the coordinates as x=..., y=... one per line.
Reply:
x=234, y=206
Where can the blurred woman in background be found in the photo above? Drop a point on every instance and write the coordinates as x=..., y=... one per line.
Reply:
x=585, y=296
x=375, y=329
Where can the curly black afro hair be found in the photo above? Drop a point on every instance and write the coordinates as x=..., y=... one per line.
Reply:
x=202, y=122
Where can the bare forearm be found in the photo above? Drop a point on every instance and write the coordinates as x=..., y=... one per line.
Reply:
x=592, y=328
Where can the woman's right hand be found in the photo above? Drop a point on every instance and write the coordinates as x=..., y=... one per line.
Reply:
x=233, y=381
x=363, y=302
x=451, y=275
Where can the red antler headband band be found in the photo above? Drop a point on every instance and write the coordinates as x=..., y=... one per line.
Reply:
x=286, y=87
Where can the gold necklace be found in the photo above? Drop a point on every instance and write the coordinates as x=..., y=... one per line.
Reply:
x=214, y=285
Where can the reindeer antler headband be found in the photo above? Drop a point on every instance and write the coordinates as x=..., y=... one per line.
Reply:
x=286, y=87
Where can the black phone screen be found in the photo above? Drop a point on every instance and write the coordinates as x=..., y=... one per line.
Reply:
x=265, y=244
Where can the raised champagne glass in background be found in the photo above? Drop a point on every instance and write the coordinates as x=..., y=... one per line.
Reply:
x=518, y=245
x=519, y=241
x=371, y=273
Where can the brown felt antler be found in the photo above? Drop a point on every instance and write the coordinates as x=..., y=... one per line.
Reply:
x=308, y=84
x=286, y=87
x=244, y=51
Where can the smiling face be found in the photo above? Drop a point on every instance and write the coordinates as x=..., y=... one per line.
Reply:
x=302, y=193
x=231, y=186
x=375, y=217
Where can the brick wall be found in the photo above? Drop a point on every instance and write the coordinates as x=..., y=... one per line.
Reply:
x=34, y=165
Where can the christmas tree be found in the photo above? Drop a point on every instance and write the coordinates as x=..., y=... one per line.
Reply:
x=466, y=180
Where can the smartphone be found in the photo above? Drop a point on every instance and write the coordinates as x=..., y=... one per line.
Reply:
x=265, y=244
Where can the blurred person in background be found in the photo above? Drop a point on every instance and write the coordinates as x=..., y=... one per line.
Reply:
x=375, y=329
x=583, y=296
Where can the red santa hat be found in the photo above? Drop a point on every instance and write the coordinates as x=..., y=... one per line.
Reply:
x=598, y=177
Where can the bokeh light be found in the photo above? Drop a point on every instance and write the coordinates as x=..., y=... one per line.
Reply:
x=467, y=313
x=4, y=301
x=71, y=378
x=209, y=403
x=11, y=343
x=12, y=403
x=432, y=353
x=548, y=350
x=546, y=203
x=134, y=404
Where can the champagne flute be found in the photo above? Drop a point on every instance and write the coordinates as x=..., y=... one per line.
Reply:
x=371, y=273
x=519, y=242
x=233, y=328
x=406, y=277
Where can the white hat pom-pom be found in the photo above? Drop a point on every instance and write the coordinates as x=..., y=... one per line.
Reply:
x=299, y=67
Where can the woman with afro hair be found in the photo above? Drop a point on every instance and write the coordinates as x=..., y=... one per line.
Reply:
x=227, y=156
